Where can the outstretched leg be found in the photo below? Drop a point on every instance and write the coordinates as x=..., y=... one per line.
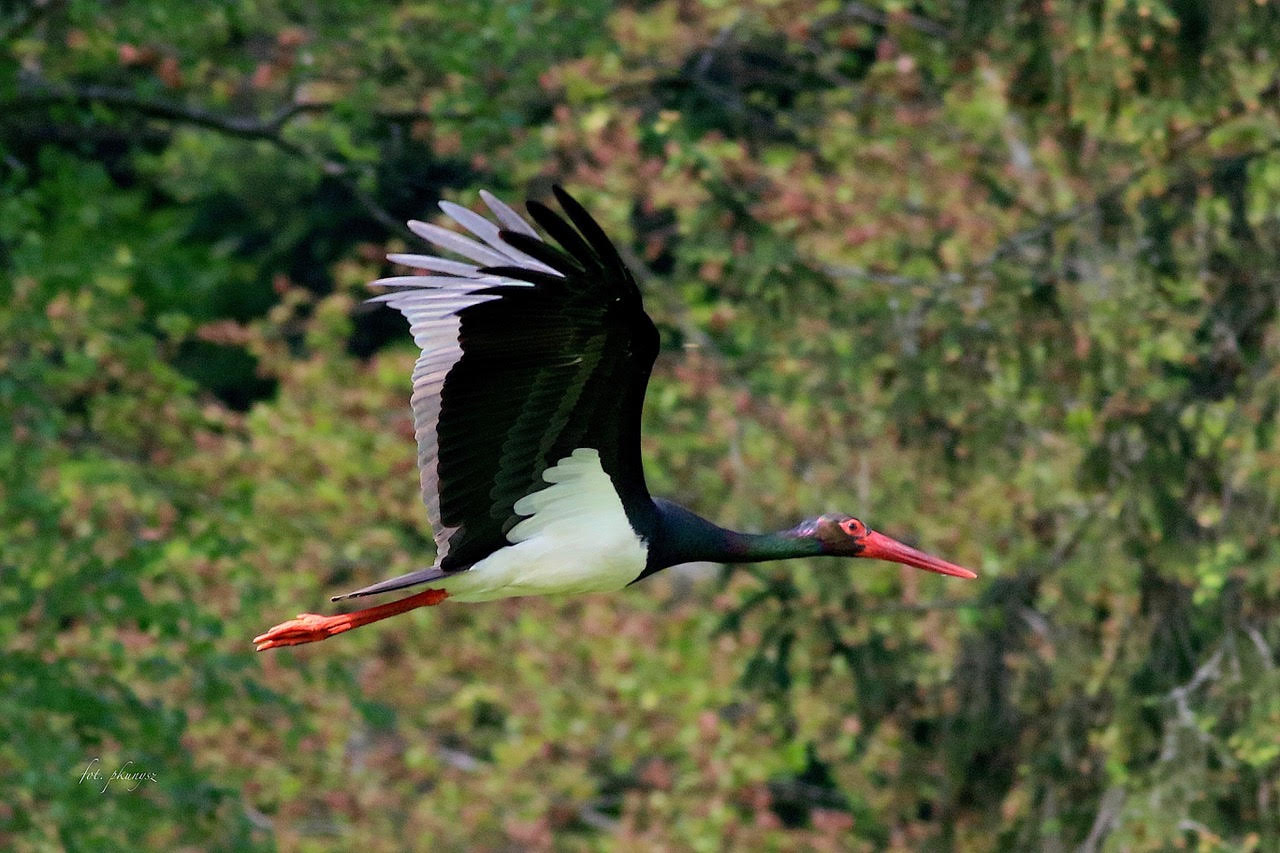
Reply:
x=310, y=628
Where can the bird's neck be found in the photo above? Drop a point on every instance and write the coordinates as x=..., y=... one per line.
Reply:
x=685, y=537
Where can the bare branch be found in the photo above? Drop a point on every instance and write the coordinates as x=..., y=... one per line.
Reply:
x=1184, y=718
x=343, y=175
x=1108, y=810
x=1260, y=643
x=35, y=94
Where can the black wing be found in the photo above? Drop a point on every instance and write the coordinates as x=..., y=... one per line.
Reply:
x=526, y=356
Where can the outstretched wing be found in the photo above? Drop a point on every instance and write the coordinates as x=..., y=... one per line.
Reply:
x=528, y=353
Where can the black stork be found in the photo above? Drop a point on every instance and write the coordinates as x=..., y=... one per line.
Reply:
x=526, y=406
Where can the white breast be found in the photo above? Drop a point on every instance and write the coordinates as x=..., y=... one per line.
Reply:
x=576, y=539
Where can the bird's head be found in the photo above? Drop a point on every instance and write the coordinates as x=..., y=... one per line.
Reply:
x=845, y=536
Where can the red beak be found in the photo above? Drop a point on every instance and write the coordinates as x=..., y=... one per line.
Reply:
x=881, y=547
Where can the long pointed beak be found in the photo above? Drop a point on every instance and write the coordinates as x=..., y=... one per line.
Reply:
x=881, y=547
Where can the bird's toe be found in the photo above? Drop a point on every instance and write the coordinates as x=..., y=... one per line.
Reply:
x=306, y=628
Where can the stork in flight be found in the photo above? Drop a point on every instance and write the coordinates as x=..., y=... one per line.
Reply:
x=526, y=406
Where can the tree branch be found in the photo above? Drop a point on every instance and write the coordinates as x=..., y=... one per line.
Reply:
x=1108, y=810
x=34, y=94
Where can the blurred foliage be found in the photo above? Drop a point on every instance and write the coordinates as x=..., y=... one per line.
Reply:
x=1000, y=276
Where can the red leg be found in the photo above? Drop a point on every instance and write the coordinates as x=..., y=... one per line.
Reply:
x=310, y=628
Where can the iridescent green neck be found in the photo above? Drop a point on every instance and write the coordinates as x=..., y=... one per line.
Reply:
x=682, y=536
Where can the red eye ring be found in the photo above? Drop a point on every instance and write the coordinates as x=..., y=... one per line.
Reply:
x=853, y=527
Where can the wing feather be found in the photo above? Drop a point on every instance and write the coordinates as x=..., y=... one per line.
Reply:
x=529, y=352
x=427, y=262
x=456, y=243
x=510, y=220
x=489, y=233
x=564, y=234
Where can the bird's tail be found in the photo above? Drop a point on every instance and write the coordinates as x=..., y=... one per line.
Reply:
x=434, y=573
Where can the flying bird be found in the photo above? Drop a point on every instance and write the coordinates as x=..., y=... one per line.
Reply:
x=526, y=408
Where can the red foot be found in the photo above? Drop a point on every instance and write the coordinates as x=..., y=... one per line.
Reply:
x=307, y=628
x=311, y=628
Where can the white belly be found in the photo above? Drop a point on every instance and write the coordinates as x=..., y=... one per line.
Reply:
x=575, y=539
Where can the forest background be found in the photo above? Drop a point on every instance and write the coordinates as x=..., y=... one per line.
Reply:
x=999, y=276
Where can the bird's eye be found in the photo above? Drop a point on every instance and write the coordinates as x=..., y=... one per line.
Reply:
x=853, y=527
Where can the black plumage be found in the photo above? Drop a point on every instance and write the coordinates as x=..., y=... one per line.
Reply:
x=552, y=356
